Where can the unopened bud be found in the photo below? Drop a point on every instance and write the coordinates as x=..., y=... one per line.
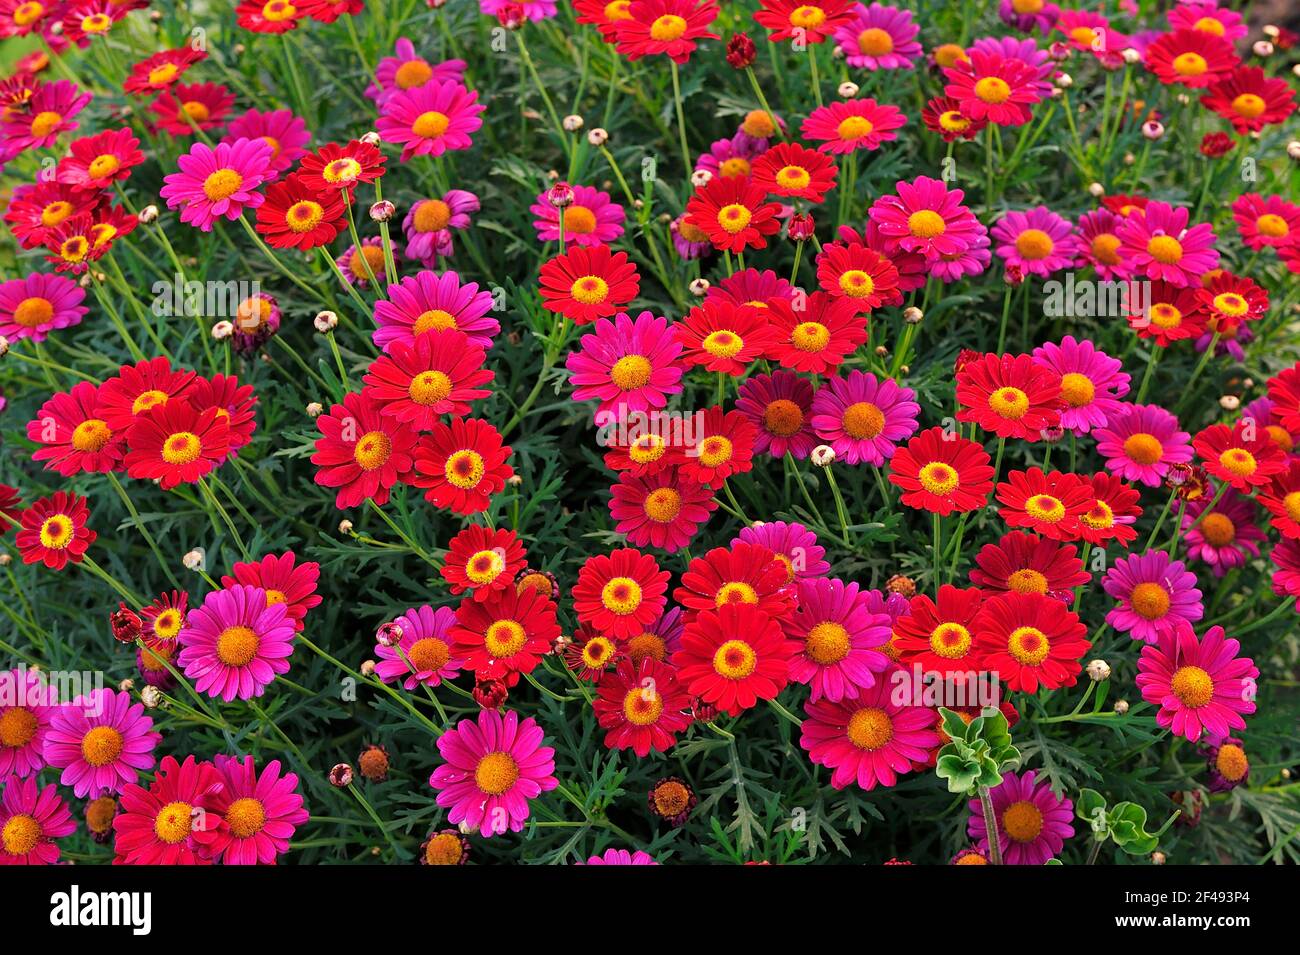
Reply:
x=315, y=409
x=371, y=139
x=560, y=195
x=1064, y=80
x=148, y=214
x=701, y=178
x=222, y=330
x=382, y=211
x=848, y=90
x=1229, y=402
x=151, y=697
x=325, y=321
x=389, y=634
x=1096, y=190
x=1098, y=670
x=598, y=136
x=823, y=456
x=1153, y=129
x=572, y=123
x=1121, y=707
x=913, y=315
x=699, y=287
x=345, y=526
x=341, y=775
x=1262, y=48
x=193, y=560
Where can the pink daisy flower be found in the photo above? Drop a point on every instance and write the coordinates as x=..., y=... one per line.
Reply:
x=427, y=226
x=431, y=119
x=925, y=217
x=493, y=767
x=629, y=365
x=406, y=70
x=218, y=182
x=794, y=546
x=878, y=37
x=1036, y=241
x=839, y=640
x=1032, y=823
x=260, y=812
x=1028, y=52
x=750, y=287
x=992, y=87
x=1157, y=596
x=425, y=646
x=1226, y=536
x=101, y=741
x=846, y=125
x=621, y=857
x=1140, y=442
x=1092, y=383
x=358, y=265
x=34, y=306
x=1199, y=685
x=236, y=643
x=869, y=740
x=591, y=219
x=31, y=818
x=1159, y=245
x=285, y=582
x=48, y=113
x=431, y=301
x=731, y=157
x=1266, y=221
x=26, y=710
x=162, y=825
x=864, y=418
x=662, y=510
x=1208, y=18
x=285, y=133
x=1099, y=242
x=1027, y=15
x=780, y=405
x=1286, y=558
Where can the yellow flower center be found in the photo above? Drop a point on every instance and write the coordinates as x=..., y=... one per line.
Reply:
x=505, y=638
x=667, y=28
x=26, y=14
x=953, y=121
x=715, y=450
x=1273, y=226
x=430, y=124
x=631, y=372
x=810, y=336
x=1028, y=646
x=1218, y=529
x=1193, y=686
x=856, y=283
x=1238, y=461
x=621, y=595
x=1045, y=507
x=435, y=319
x=103, y=165
x=807, y=16
x=222, y=184
x=1034, y=244
x=496, y=773
x=870, y=728
x=372, y=450
x=1077, y=390
x=429, y=387
x=464, y=469
x=827, y=643
x=56, y=532
x=926, y=224
x=1292, y=504
x=21, y=834
x=642, y=706
x=758, y=124
x=1209, y=25
x=1231, y=304
x=647, y=645
x=91, y=435
x=1150, y=600
x=196, y=111
x=1010, y=403
x=444, y=849
x=618, y=10
x=33, y=312
x=237, y=645
x=662, y=505
x=735, y=168
x=579, y=220
x=17, y=726
x=485, y=566
x=950, y=640
x=55, y=213
x=1231, y=762
x=245, y=817
x=1098, y=517
x=1022, y=821
x=1105, y=248
x=174, y=822
x=101, y=745
x=735, y=660
x=734, y=217
x=96, y=23
x=793, y=177
x=304, y=215
x=278, y=11
x=647, y=449
x=874, y=41
x=1143, y=448
x=341, y=170
x=429, y=655
x=1027, y=581
x=1026, y=7
x=432, y=215
x=181, y=447
x=1248, y=105
x=1190, y=64
x=1165, y=249
x=45, y=123
x=162, y=75
x=589, y=290
x=412, y=73
x=783, y=417
x=863, y=420
x=723, y=343
x=854, y=127
x=735, y=592
x=938, y=478
x=993, y=90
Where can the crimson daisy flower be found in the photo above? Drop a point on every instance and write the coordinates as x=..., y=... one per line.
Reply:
x=806, y=22
x=1229, y=300
x=723, y=446
x=1009, y=395
x=296, y=216
x=160, y=71
x=362, y=451
x=96, y=162
x=1024, y=564
x=1243, y=455
x=1192, y=58
x=462, y=465
x=605, y=17
x=994, y=88
x=1284, y=392
x=848, y=125
x=645, y=453
x=159, y=825
x=74, y=440
x=260, y=812
x=1113, y=513
x=54, y=530
x=938, y=635
x=437, y=374
x=234, y=402
x=620, y=594
x=723, y=336
x=660, y=510
x=483, y=561
x=203, y=104
x=941, y=473
x=794, y=172
x=341, y=167
x=734, y=656
x=37, y=210
x=860, y=274
x=943, y=115
x=733, y=213
x=175, y=443
x=1250, y=99
x=1282, y=499
x=819, y=336
x=9, y=501
x=1030, y=640
x=31, y=818
x=669, y=27
x=589, y=654
x=743, y=573
x=139, y=387
x=1266, y=221
x=267, y=16
x=588, y=282
x=643, y=706
x=284, y=580
x=73, y=245
x=505, y=635
x=1171, y=313
x=1050, y=504
x=630, y=365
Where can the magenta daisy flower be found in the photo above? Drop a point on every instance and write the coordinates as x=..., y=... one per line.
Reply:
x=101, y=741
x=621, y=857
x=1028, y=52
x=26, y=709
x=260, y=812
x=629, y=365
x=591, y=219
x=432, y=302
x=493, y=767
x=284, y=580
x=357, y=265
x=46, y=115
x=864, y=418
x=285, y=133
x=1036, y=241
x=1027, y=15
x=38, y=304
x=870, y=740
x=1091, y=382
x=1227, y=533
x=425, y=647
x=406, y=70
x=31, y=818
x=878, y=37
x=236, y=643
x=990, y=86
x=1140, y=442
x=839, y=640
x=221, y=181
x=1032, y=823
x=1199, y=685
x=794, y=546
x=663, y=509
x=1156, y=596
x=1286, y=559
x=732, y=157
x=780, y=404
x=1159, y=245
x=847, y=125
x=925, y=217
x=430, y=120
x=427, y=226
x=1099, y=242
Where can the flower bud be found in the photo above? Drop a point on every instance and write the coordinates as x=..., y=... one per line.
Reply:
x=325, y=321
x=572, y=123
x=598, y=136
x=222, y=330
x=126, y=686
x=1158, y=858
x=1262, y=48
x=1121, y=707
x=511, y=16
x=345, y=526
x=1153, y=129
x=148, y=214
x=341, y=775
x=371, y=139
x=382, y=211
x=741, y=52
x=490, y=694
x=1131, y=55
x=1096, y=190
x=701, y=178
x=1098, y=670
x=367, y=668
x=560, y=195
x=389, y=634
x=699, y=287
x=315, y=409
x=1229, y=402
x=913, y=315
x=823, y=456
x=847, y=90
x=1293, y=149
x=125, y=624
x=193, y=560
x=1064, y=80
x=801, y=227
x=151, y=697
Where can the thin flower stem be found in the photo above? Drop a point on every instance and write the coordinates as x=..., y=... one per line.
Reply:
x=144, y=531
x=681, y=120
x=225, y=517
x=990, y=826
x=128, y=594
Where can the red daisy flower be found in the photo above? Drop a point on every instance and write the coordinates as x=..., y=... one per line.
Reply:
x=723, y=446
x=159, y=825
x=234, y=402
x=462, y=465
x=1030, y=640
x=267, y=16
x=1025, y=564
x=1170, y=314
x=1191, y=57
x=642, y=706
x=660, y=510
x=36, y=211
x=1009, y=395
x=819, y=336
x=734, y=656
x=604, y=16
x=589, y=282
x=742, y=574
x=723, y=336
x=1282, y=499
x=1113, y=513
x=942, y=473
x=137, y=388
x=1284, y=392
x=283, y=579
x=670, y=27
x=96, y=162
x=362, y=451
x=176, y=443
x=54, y=530
x=859, y=274
x=1250, y=99
x=1050, y=504
x=341, y=167
x=73, y=439
x=73, y=245
x=943, y=115
x=938, y=635
x=590, y=655
x=805, y=22
x=640, y=453
x=620, y=595
x=204, y=104
x=505, y=635
x=483, y=561
x=9, y=501
x=1230, y=300
x=1244, y=455
x=794, y=172
x=160, y=71
x=437, y=374
x=993, y=88
x=296, y=216
x=327, y=11
x=732, y=212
